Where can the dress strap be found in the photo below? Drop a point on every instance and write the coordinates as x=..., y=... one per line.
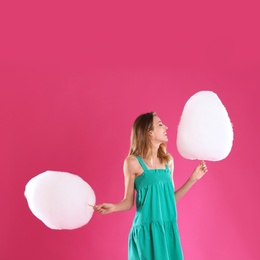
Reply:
x=142, y=163
x=168, y=168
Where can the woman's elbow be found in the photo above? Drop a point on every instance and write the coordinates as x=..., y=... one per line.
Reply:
x=130, y=204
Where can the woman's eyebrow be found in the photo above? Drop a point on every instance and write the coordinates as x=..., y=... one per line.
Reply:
x=159, y=122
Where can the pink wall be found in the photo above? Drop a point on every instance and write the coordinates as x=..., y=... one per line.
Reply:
x=74, y=76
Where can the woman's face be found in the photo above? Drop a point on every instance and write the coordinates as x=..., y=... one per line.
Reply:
x=158, y=134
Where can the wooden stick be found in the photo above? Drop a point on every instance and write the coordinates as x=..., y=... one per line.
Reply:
x=91, y=205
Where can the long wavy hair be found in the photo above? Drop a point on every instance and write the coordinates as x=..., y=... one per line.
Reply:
x=140, y=143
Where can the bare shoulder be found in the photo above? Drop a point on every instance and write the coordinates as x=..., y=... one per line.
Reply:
x=171, y=159
x=171, y=164
x=131, y=165
x=130, y=161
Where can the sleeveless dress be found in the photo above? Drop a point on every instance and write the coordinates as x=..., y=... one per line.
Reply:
x=154, y=234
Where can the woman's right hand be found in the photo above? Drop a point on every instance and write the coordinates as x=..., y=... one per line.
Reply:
x=104, y=208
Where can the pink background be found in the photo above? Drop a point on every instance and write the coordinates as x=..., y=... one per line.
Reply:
x=75, y=74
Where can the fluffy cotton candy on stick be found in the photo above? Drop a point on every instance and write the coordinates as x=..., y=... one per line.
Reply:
x=205, y=131
x=60, y=199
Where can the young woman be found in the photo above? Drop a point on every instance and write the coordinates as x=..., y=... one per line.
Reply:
x=148, y=169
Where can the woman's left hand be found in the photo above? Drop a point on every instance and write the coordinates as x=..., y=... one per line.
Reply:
x=199, y=171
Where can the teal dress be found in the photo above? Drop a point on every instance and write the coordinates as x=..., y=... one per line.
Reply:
x=154, y=234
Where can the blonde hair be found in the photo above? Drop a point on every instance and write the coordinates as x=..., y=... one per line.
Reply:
x=140, y=143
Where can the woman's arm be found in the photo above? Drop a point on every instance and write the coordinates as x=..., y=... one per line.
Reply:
x=128, y=201
x=198, y=172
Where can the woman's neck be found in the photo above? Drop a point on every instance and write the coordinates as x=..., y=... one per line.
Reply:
x=152, y=158
x=154, y=149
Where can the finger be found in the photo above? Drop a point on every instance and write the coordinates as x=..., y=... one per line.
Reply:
x=204, y=166
x=100, y=206
x=97, y=208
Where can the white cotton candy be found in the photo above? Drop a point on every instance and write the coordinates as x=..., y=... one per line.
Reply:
x=60, y=199
x=205, y=131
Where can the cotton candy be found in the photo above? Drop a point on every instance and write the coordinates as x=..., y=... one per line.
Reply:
x=205, y=131
x=60, y=199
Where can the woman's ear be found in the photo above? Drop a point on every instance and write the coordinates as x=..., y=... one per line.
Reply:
x=150, y=133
